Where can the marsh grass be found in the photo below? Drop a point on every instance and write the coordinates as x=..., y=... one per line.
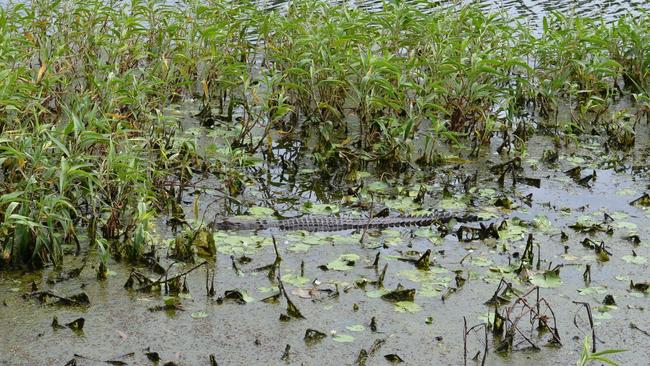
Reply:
x=86, y=141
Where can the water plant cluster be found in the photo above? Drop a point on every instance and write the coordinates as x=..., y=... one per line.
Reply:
x=90, y=154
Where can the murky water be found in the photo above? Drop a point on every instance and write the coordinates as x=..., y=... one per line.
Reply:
x=120, y=326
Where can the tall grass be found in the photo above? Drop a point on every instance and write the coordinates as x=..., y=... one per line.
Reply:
x=86, y=142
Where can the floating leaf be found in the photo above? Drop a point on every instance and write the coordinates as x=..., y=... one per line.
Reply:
x=501, y=269
x=430, y=290
x=346, y=240
x=375, y=294
x=576, y=160
x=295, y=279
x=378, y=187
x=542, y=223
x=452, y=204
x=268, y=289
x=320, y=209
x=625, y=225
x=299, y=247
x=432, y=235
x=355, y=328
x=344, y=263
x=635, y=259
x=602, y=316
x=199, y=314
x=407, y=306
x=404, y=204
x=512, y=232
x=485, y=317
x=343, y=338
x=548, y=279
x=619, y=215
x=316, y=240
x=481, y=261
x=487, y=192
x=625, y=192
x=391, y=233
x=260, y=212
x=363, y=174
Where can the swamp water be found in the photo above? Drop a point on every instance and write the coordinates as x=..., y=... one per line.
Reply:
x=328, y=276
x=577, y=221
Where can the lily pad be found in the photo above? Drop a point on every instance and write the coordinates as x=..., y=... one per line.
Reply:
x=295, y=279
x=320, y=208
x=575, y=160
x=403, y=204
x=343, y=338
x=452, y=204
x=299, y=247
x=481, y=261
x=625, y=192
x=375, y=294
x=407, y=307
x=260, y=212
x=345, y=240
x=431, y=290
x=625, y=225
x=512, y=232
x=542, y=223
x=635, y=259
x=487, y=192
x=344, y=263
x=548, y=279
x=355, y=328
x=199, y=314
x=378, y=187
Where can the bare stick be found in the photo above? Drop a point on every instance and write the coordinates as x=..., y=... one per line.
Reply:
x=591, y=324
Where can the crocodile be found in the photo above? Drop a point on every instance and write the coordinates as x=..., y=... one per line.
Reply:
x=328, y=223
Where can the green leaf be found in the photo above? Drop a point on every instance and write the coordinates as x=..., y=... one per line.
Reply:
x=199, y=314
x=299, y=247
x=294, y=279
x=548, y=279
x=343, y=338
x=378, y=187
x=407, y=306
x=635, y=259
x=355, y=328
x=260, y=212
x=344, y=263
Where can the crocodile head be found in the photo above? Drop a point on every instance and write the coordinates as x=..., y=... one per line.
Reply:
x=230, y=224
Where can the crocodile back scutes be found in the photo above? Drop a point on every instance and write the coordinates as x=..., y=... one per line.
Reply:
x=328, y=223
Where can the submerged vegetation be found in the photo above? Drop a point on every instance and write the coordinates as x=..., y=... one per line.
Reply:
x=380, y=109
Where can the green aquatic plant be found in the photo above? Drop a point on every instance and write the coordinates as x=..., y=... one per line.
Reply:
x=90, y=95
x=588, y=355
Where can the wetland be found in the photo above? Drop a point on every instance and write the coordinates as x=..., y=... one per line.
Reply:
x=131, y=131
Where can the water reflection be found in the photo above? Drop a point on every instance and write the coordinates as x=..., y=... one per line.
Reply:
x=532, y=9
